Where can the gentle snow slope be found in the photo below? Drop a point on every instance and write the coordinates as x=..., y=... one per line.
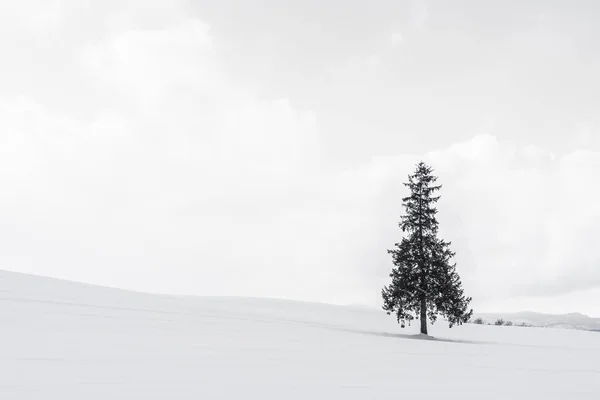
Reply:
x=62, y=340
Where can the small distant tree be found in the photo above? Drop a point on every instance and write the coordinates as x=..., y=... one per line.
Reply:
x=499, y=322
x=424, y=279
x=478, y=321
x=508, y=323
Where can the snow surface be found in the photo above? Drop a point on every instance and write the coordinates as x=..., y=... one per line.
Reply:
x=63, y=340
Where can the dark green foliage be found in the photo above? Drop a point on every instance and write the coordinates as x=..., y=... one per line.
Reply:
x=424, y=280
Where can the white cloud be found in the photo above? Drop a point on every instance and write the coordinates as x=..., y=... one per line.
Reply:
x=180, y=180
x=176, y=186
x=396, y=39
x=31, y=16
x=149, y=62
x=419, y=14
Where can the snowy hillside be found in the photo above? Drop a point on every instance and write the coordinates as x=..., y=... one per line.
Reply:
x=67, y=341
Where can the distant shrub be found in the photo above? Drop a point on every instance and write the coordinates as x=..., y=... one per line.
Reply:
x=502, y=322
x=478, y=321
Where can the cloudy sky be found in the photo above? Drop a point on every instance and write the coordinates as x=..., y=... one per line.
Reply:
x=258, y=148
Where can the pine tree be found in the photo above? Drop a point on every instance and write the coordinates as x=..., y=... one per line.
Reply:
x=424, y=279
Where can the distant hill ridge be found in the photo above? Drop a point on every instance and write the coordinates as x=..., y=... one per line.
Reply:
x=573, y=320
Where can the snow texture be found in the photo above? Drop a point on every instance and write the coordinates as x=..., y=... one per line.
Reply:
x=67, y=341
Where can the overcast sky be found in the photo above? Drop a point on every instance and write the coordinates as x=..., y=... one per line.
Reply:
x=258, y=148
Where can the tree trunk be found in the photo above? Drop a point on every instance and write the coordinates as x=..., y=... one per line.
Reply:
x=424, y=316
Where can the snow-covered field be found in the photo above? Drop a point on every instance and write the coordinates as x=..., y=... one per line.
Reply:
x=65, y=341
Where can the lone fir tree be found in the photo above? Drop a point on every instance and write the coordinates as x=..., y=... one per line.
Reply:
x=424, y=279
